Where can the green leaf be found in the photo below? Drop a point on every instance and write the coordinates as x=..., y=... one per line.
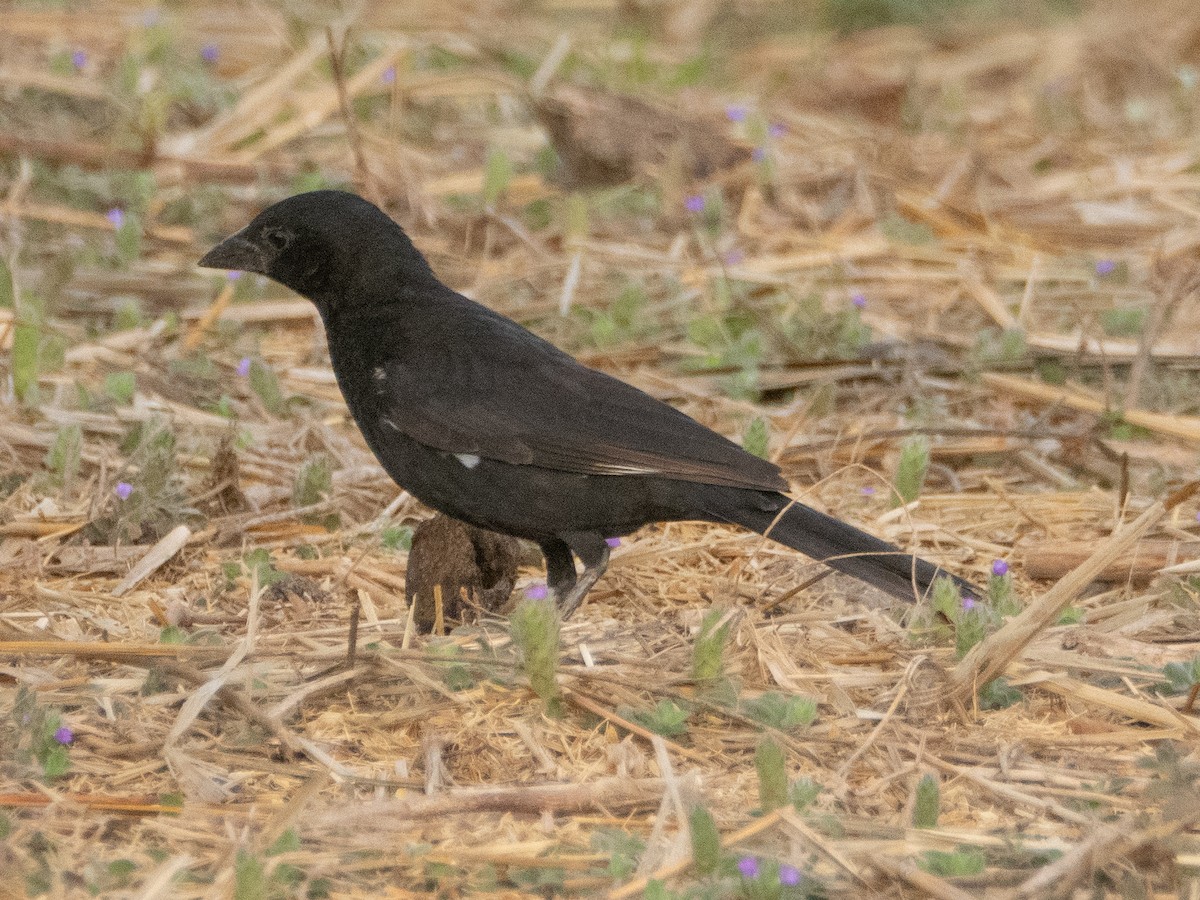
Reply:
x=7, y=285
x=120, y=386
x=708, y=663
x=121, y=869
x=1182, y=677
x=999, y=694
x=56, y=763
x=497, y=175
x=259, y=562
x=129, y=314
x=1129, y=321
x=757, y=438
x=265, y=385
x=249, y=878
x=396, y=538
x=958, y=864
x=804, y=791
x=27, y=338
x=623, y=849
x=314, y=481
x=128, y=238
x=534, y=627
x=781, y=711
x=63, y=458
x=771, y=766
x=911, y=470
x=927, y=807
x=287, y=842
x=666, y=718
x=706, y=841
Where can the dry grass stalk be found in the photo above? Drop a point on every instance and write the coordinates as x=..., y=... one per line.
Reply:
x=989, y=658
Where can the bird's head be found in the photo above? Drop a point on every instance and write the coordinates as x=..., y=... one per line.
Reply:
x=321, y=244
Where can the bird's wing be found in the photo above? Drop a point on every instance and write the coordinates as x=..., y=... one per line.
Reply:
x=499, y=392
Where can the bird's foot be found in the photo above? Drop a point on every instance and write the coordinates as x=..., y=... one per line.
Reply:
x=571, y=600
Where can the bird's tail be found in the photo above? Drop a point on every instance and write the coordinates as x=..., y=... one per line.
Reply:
x=839, y=545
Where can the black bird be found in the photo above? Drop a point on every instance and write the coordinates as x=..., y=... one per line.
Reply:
x=483, y=420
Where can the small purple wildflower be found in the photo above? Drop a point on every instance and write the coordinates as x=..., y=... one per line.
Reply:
x=789, y=875
x=243, y=366
x=209, y=53
x=64, y=735
x=389, y=75
x=735, y=113
x=694, y=203
x=733, y=258
x=969, y=603
x=868, y=491
x=233, y=274
x=151, y=17
x=999, y=567
x=758, y=154
x=123, y=490
x=859, y=301
x=79, y=60
x=537, y=591
x=115, y=216
x=1198, y=515
x=776, y=130
x=1105, y=267
x=748, y=866
x=613, y=542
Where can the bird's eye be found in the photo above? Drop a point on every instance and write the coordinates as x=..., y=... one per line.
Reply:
x=277, y=238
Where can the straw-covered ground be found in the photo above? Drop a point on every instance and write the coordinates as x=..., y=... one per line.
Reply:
x=944, y=271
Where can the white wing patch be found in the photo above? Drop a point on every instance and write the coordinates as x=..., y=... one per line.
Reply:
x=470, y=460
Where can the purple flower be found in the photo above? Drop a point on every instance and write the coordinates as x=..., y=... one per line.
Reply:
x=748, y=866
x=613, y=542
x=243, y=366
x=79, y=59
x=758, y=154
x=789, y=875
x=389, y=75
x=969, y=603
x=64, y=735
x=868, y=491
x=859, y=301
x=537, y=591
x=777, y=130
x=151, y=17
x=209, y=53
x=123, y=490
x=733, y=258
x=694, y=203
x=999, y=567
x=735, y=113
x=233, y=274
x=1198, y=515
x=115, y=216
x=1105, y=267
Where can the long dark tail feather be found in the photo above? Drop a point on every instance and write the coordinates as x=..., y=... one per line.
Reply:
x=839, y=545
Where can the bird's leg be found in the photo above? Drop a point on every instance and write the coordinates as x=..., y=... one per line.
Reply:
x=560, y=567
x=592, y=551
